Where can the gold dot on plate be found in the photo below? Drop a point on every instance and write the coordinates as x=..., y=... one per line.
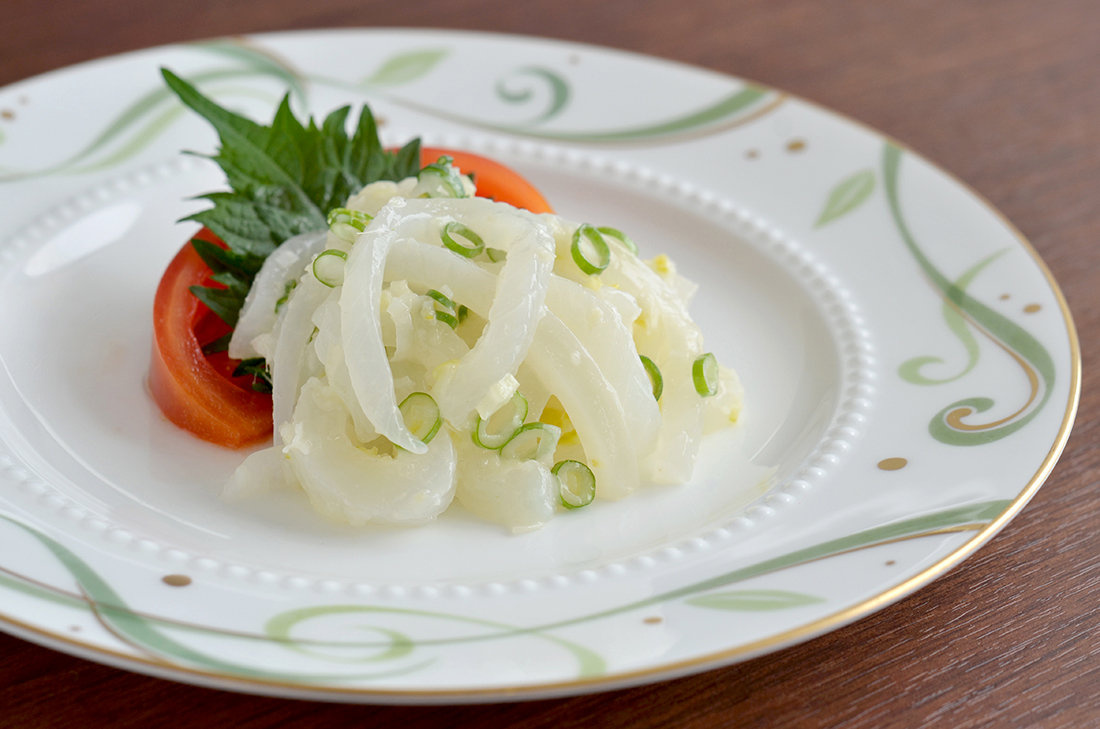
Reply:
x=752, y=153
x=1031, y=308
x=7, y=114
x=796, y=145
x=654, y=620
x=1005, y=297
x=176, y=580
x=74, y=628
x=892, y=464
x=890, y=563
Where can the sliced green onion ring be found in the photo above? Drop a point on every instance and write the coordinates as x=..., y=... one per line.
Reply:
x=577, y=484
x=447, y=318
x=442, y=298
x=499, y=428
x=496, y=254
x=455, y=228
x=328, y=267
x=704, y=372
x=346, y=224
x=421, y=415
x=462, y=313
x=532, y=442
x=447, y=315
x=621, y=237
x=449, y=178
x=590, y=251
x=654, y=373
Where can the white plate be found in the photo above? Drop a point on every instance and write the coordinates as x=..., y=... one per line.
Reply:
x=865, y=297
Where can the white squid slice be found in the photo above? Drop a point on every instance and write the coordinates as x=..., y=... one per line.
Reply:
x=521, y=287
x=361, y=327
x=258, y=314
x=599, y=327
x=666, y=333
x=560, y=361
x=348, y=484
x=294, y=334
x=422, y=265
x=683, y=413
x=330, y=351
x=521, y=495
x=418, y=336
x=260, y=474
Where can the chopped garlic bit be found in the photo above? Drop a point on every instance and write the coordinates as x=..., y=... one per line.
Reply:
x=498, y=394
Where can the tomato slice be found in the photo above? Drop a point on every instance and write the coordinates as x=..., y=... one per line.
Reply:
x=193, y=391
x=198, y=392
x=493, y=179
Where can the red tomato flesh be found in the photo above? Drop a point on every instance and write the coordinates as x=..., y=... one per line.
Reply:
x=195, y=392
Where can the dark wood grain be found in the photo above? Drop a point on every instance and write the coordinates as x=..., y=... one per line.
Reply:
x=1005, y=95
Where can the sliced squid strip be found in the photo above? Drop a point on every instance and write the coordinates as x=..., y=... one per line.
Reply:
x=346, y=483
x=361, y=328
x=522, y=495
x=515, y=312
x=330, y=351
x=503, y=345
x=668, y=328
x=601, y=330
x=670, y=337
x=683, y=415
x=258, y=313
x=565, y=366
x=427, y=265
x=294, y=334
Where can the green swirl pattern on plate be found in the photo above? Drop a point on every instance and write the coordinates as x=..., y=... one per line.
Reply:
x=910, y=370
x=948, y=425
x=145, y=633
x=147, y=117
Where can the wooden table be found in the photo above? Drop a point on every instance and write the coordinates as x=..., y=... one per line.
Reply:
x=1005, y=95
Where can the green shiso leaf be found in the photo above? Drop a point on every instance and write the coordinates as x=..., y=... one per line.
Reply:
x=220, y=344
x=283, y=180
x=221, y=260
x=226, y=303
x=257, y=367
